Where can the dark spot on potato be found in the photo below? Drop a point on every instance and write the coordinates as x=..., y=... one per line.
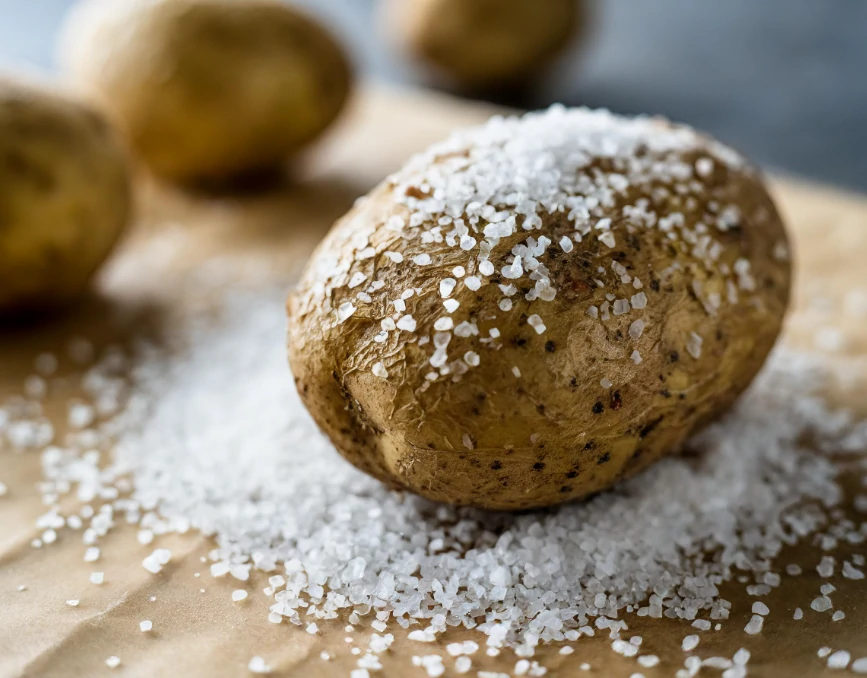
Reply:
x=590, y=445
x=654, y=285
x=616, y=401
x=496, y=466
x=550, y=346
x=674, y=356
x=619, y=334
x=648, y=429
x=565, y=489
x=682, y=396
x=719, y=335
x=604, y=459
x=572, y=474
x=538, y=466
x=540, y=408
x=665, y=393
x=519, y=341
x=598, y=407
x=573, y=382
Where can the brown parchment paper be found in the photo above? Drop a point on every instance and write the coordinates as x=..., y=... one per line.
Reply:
x=198, y=630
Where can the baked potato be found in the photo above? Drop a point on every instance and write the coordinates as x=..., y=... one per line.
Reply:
x=208, y=90
x=539, y=307
x=484, y=44
x=64, y=195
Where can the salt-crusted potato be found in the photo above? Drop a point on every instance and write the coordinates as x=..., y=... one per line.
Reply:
x=64, y=195
x=484, y=43
x=208, y=89
x=537, y=308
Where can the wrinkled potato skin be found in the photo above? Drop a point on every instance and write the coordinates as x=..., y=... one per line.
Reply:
x=586, y=437
x=208, y=90
x=485, y=43
x=64, y=196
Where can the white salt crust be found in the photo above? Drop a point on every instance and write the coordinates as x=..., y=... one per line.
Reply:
x=476, y=191
x=336, y=541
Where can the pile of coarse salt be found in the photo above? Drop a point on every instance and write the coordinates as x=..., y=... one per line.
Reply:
x=212, y=436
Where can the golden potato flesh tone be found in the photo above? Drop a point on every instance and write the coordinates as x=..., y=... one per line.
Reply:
x=484, y=43
x=64, y=196
x=539, y=307
x=208, y=89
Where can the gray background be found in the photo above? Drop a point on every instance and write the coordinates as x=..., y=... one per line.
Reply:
x=783, y=80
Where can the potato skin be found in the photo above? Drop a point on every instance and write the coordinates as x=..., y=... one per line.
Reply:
x=65, y=196
x=208, y=90
x=495, y=440
x=481, y=44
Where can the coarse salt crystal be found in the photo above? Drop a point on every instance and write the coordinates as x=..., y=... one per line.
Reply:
x=406, y=323
x=754, y=625
x=689, y=643
x=839, y=659
x=760, y=608
x=258, y=665
x=536, y=323
x=693, y=345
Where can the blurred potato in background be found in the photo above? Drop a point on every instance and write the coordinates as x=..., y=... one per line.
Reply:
x=208, y=90
x=484, y=44
x=64, y=196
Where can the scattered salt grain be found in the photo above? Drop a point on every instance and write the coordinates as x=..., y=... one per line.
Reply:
x=760, y=608
x=145, y=626
x=112, y=662
x=258, y=665
x=463, y=664
x=536, y=323
x=97, y=578
x=693, y=345
x=821, y=604
x=648, y=661
x=689, y=643
x=838, y=615
x=72, y=603
x=741, y=657
x=799, y=614
x=754, y=625
x=839, y=659
x=859, y=665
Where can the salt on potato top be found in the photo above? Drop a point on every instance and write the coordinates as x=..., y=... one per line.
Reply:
x=516, y=189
